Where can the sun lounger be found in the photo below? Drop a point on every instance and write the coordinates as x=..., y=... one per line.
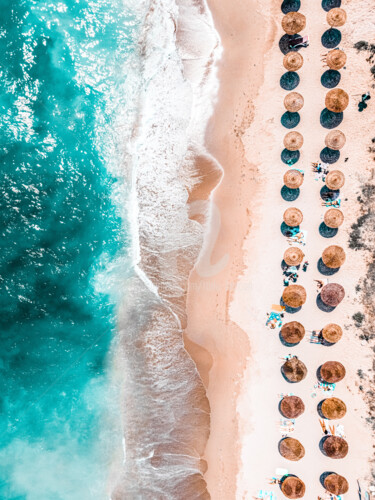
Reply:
x=281, y=472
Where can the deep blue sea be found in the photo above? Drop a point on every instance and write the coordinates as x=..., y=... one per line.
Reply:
x=62, y=70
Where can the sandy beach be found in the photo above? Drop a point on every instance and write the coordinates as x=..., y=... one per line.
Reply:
x=238, y=357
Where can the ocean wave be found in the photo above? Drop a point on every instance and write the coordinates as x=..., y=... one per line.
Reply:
x=165, y=409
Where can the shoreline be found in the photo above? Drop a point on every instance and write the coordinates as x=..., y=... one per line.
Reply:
x=218, y=346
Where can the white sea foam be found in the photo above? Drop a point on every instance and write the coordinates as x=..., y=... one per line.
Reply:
x=171, y=93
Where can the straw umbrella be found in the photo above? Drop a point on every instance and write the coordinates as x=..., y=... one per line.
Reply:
x=291, y=449
x=293, y=23
x=293, y=179
x=333, y=256
x=335, y=180
x=336, y=59
x=332, y=333
x=293, y=61
x=293, y=141
x=294, y=296
x=332, y=372
x=336, y=17
x=293, y=102
x=294, y=370
x=335, y=447
x=336, y=484
x=333, y=408
x=293, y=217
x=332, y=294
x=333, y=218
x=336, y=100
x=293, y=487
x=292, y=406
x=335, y=140
x=292, y=332
x=293, y=256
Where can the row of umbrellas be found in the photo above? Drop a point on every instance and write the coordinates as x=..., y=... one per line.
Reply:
x=294, y=140
x=333, y=217
x=334, y=256
x=294, y=487
x=294, y=22
x=293, y=332
x=333, y=446
x=293, y=407
x=331, y=372
x=294, y=296
x=336, y=59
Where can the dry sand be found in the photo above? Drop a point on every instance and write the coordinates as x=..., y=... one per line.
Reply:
x=241, y=359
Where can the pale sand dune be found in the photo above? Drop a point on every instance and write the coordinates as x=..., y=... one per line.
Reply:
x=227, y=315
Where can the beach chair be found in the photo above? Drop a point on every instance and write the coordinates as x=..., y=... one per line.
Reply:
x=281, y=472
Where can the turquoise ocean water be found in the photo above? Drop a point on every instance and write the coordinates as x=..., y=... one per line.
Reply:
x=61, y=67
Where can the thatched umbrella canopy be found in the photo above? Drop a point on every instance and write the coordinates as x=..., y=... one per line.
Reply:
x=293, y=23
x=293, y=102
x=336, y=100
x=335, y=180
x=293, y=217
x=333, y=218
x=291, y=449
x=336, y=59
x=336, y=484
x=294, y=296
x=294, y=370
x=335, y=447
x=293, y=141
x=292, y=406
x=332, y=372
x=336, y=17
x=333, y=408
x=293, y=487
x=292, y=332
x=332, y=294
x=293, y=61
x=335, y=140
x=293, y=179
x=332, y=333
x=334, y=256
x=293, y=256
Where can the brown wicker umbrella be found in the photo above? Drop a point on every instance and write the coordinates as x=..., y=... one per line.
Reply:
x=336, y=59
x=332, y=294
x=336, y=484
x=293, y=217
x=294, y=296
x=293, y=256
x=293, y=23
x=335, y=447
x=337, y=100
x=333, y=257
x=336, y=17
x=333, y=408
x=293, y=179
x=335, y=139
x=335, y=180
x=332, y=333
x=294, y=370
x=292, y=332
x=293, y=102
x=293, y=141
x=293, y=487
x=293, y=61
x=333, y=218
x=292, y=406
x=332, y=372
x=291, y=449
